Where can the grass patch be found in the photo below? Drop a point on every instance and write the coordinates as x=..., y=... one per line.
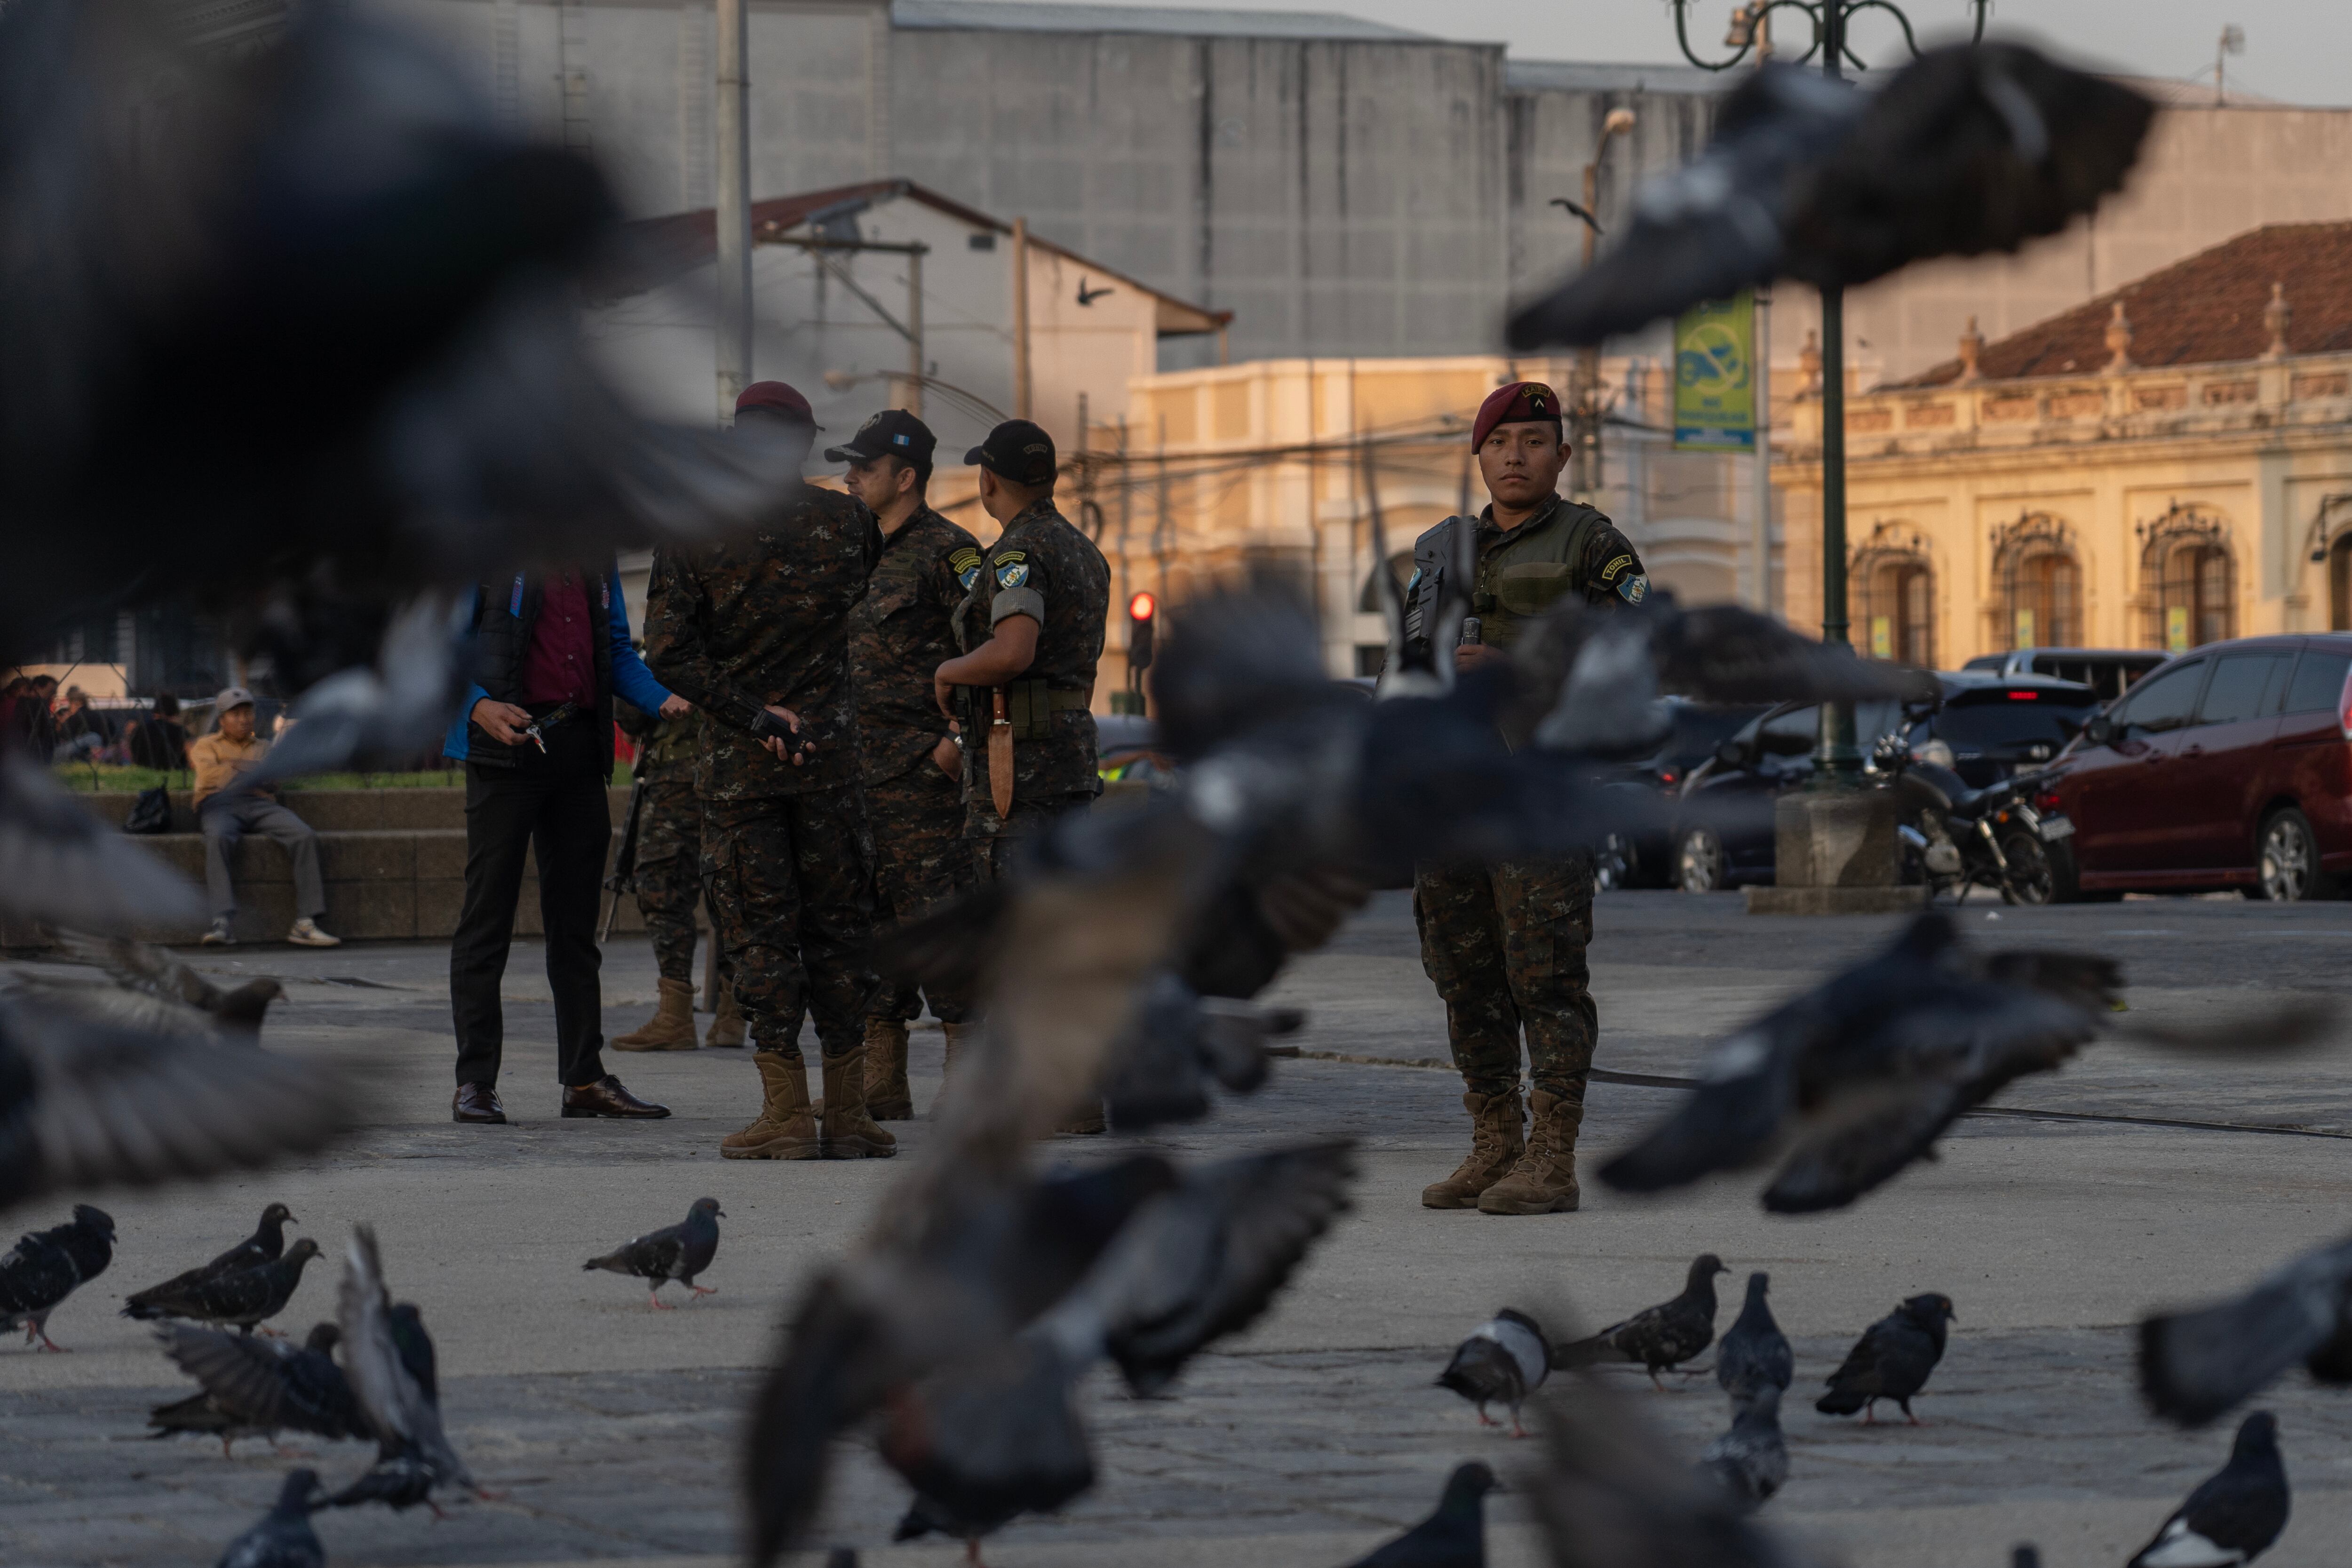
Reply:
x=89, y=780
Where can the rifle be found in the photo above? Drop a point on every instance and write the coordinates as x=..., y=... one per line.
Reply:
x=624, y=877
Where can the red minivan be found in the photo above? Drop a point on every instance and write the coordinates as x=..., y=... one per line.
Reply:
x=2230, y=766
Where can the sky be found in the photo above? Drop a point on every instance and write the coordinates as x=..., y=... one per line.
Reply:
x=2295, y=50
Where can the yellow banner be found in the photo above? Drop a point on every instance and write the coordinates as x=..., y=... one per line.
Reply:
x=1715, y=374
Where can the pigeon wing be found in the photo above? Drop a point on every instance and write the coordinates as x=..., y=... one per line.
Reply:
x=2194, y=1366
x=1733, y=1118
x=141, y=966
x=400, y=1412
x=246, y=1375
x=61, y=866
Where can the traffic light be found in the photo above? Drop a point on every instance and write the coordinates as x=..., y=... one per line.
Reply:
x=1141, y=609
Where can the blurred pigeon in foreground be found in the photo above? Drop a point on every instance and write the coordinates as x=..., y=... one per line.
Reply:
x=2194, y=1366
x=389, y=1358
x=1180, y=1041
x=1750, y=1462
x=677, y=1252
x=243, y=1299
x=254, y=1389
x=284, y=1538
x=142, y=970
x=264, y=1246
x=2235, y=1515
x=1969, y=149
x=1505, y=1359
x=1892, y=1360
x=1664, y=1335
x=45, y=1267
x=1454, y=1536
x=59, y=864
x=1754, y=1353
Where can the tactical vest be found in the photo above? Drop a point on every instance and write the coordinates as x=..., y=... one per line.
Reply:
x=1521, y=575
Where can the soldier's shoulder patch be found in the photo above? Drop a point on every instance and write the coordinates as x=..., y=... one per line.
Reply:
x=1010, y=574
x=965, y=564
x=1635, y=589
x=1004, y=555
x=1609, y=572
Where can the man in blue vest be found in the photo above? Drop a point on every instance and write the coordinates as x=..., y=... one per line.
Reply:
x=536, y=737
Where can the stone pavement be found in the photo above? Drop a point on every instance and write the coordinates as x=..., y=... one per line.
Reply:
x=614, y=1428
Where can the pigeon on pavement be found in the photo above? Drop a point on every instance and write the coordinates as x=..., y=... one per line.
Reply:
x=244, y=1298
x=389, y=1358
x=264, y=1246
x=284, y=1538
x=1750, y=1462
x=1754, y=1353
x=1505, y=1359
x=677, y=1252
x=253, y=1388
x=45, y=1267
x=2235, y=1515
x=2194, y=1366
x=1454, y=1536
x=1658, y=1337
x=1969, y=149
x=1892, y=1360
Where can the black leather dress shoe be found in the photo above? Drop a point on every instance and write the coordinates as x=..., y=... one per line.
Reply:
x=605, y=1097
x=477, y=1102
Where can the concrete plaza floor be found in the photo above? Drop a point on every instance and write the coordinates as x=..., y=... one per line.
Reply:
x=614, y=1429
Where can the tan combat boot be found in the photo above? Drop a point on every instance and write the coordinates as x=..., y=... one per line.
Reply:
x=1496, y=1142
x=726, y=1024
x=887, y=1098
x=671, y=1028
x=785, y=1128
x=849, y=1133
x=1544, y=1181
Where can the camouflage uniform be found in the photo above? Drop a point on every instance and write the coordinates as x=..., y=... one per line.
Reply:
x=668, y=874
x=1044, y=568
x=738, y=625
x=898, y=635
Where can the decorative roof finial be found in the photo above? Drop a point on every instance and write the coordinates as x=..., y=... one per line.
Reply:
x=1971, y=350
x=1808, y=363
x=2119, y=342
x=2275, y=316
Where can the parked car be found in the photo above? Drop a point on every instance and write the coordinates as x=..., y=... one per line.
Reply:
x=2109, y=671
x=2228, y=767
x=1647, y=859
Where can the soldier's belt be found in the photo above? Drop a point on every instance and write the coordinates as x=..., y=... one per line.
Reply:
x=1031, y=705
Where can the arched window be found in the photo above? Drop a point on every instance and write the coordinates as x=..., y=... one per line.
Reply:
x=2189, y=579
x=1899, y=597
x=2339, y=584
x=2039, y=583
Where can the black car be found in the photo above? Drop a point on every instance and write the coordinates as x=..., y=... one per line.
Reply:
x=1984, y=727
x=1647, y=859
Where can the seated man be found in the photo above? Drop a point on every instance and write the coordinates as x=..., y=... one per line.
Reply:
x=218, y=758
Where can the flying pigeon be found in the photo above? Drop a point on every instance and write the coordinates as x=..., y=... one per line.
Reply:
x=45, y=1267
x=1505, y=1359
x=1454, y=1536
x=1892, y=1360
x=1754, y=1353
x=144, y=969
x=60, y=865
x=389, y=1358
x=2235, y=1515
x=1179, y=1042
x=284, y=1538
x=254, y=1389
x=244, y=1298
x=677, y=1252
x=1969, y=149
x=2195, y=1365
x=1657, y=1337
x=1750, y=1462
x=264, y=1246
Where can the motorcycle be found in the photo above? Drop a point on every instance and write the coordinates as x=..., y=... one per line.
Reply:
x=1956, y=838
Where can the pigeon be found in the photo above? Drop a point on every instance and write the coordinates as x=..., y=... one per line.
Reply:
x=389, y=1358
x=242, y=1299
x=1505, y=1359
x=144, y=969
x=1179, y=1042
x=1754, y=1352
x=1970, y=149
x=254, y=1389
x=2235, y=1515
x=1454, y=1536
x=264, y=1246
x=45, y=1267
x=677, y=1252
x=1657, y=1337
x=1750, y=1462
x=2194, y=1366
x=1892, y=1360
x=284, y=1538
x=59, y=864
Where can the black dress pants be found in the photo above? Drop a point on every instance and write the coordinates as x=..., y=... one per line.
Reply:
x=556, y=806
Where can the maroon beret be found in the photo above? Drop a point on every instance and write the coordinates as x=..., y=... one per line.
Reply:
x=1521, y=401
x=777, y=397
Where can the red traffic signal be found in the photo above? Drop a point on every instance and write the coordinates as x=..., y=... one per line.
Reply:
x=1141, y=609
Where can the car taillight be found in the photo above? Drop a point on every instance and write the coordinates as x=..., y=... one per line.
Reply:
x=2045, y=800
x=1668, y=775
x=2025, y=697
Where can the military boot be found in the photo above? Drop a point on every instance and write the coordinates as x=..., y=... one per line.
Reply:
x=785, y=1128
x=887, y=1096
x=726, y=1024
x=672, y=1026
x=1544, y=1181
x=849, y=1133
x=1495, y=1143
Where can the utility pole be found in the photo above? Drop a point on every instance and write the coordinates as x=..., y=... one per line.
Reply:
x=1585, y=412
x=733, y=206
x=1021, y=318
x=1762, y=354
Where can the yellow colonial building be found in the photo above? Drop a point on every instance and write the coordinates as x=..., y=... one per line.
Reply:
x=2164, y=466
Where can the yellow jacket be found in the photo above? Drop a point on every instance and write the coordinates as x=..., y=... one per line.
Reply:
x=218, y=760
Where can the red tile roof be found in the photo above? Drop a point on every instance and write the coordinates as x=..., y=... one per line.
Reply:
x=2201, y=311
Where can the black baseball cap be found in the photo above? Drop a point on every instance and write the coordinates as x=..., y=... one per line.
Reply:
x=1016, y=450
x=893, y=433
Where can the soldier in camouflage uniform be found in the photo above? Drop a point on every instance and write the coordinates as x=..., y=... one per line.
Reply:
x=756, y=629
x=1032, y=626
x=914, y=808
x=667, y=879
x=1505, y=944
